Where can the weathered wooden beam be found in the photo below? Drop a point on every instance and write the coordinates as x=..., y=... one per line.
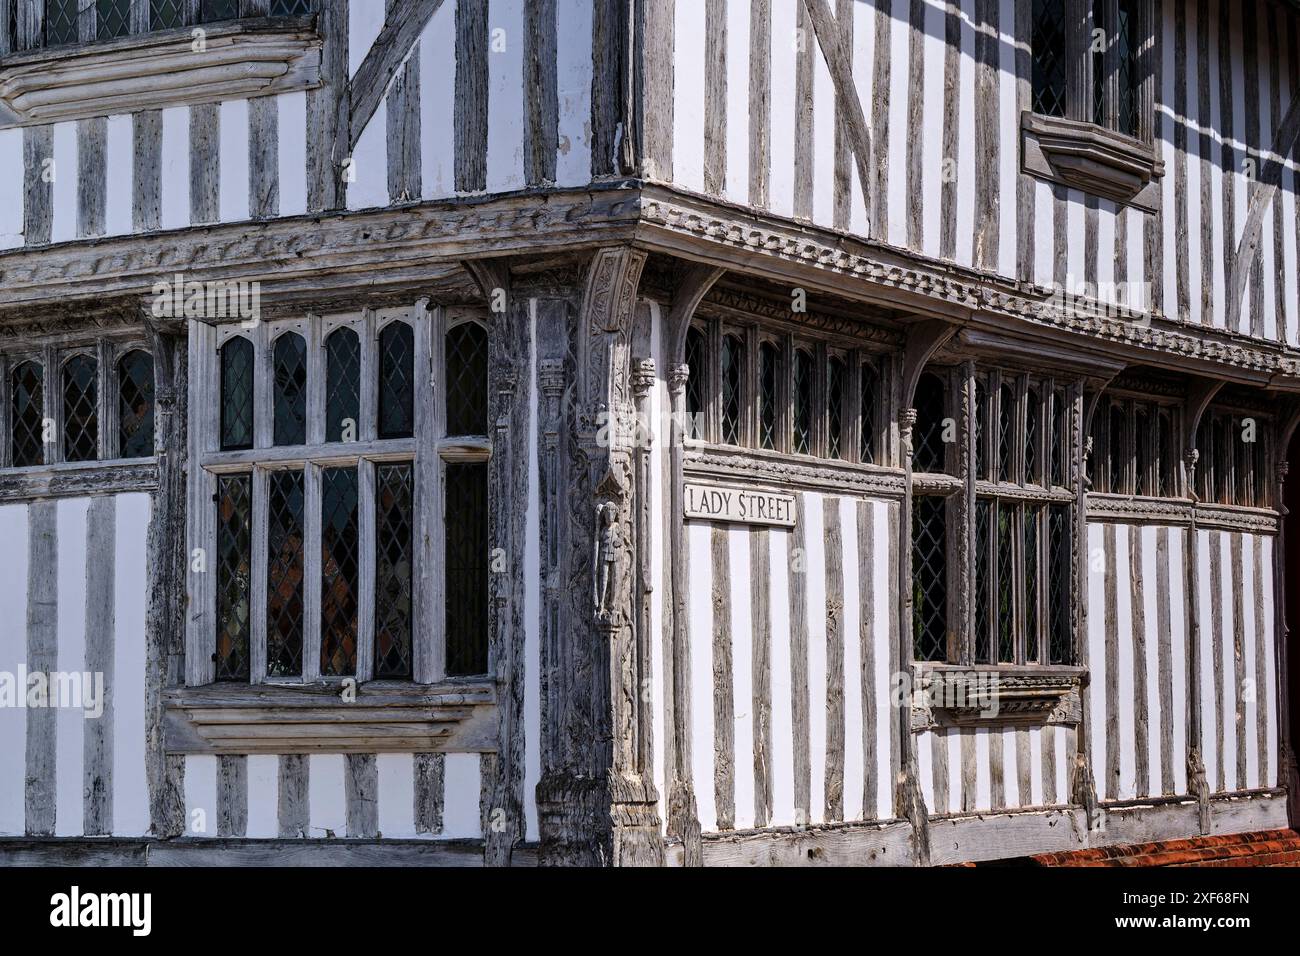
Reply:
x=406, y=21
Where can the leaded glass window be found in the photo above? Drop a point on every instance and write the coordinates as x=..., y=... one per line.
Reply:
x=768, y=396
x=1058, y=585
x=166, y=14
x=803, y=401
x=929, y=579
x=394, y=560
x=696, y=383
x=286, y=523
x=1006, y=433
x=342, y=385
x=466, y=567
x=835, y=408
x=1141, y=450
x=237, y=394
x=113, y=18
x=1133, y=448
x=27, y=391
x=135, y=399
x=290, y=8
x=927, y=434
x=61, y=22
x=396, y=381
x=290, y=394
x=1117, y=442
x=340, y=572
x=467, y=371
x=1126, y=65
x=732, y=370
x=234, y=564
x=81, y=409
x=213, y=10
x=1057, y=449
x=1049, y=57
x=870, y=395
x=1032, y=438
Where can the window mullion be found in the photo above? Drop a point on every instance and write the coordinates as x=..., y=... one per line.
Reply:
x=429, y=637
x=315, y=381
x=1110, y=63
x=749, y=388
x=312, y=571
x=87, y=21
x=366, y=570
x=713, y=386
x=1078, y=40
x=139, y=16
x=106, y=400
x=52, y=400
x=368, y=403
x=6, y=411
x=263, y=388
x=785, y=395
x=259, y=568
x=965, y=617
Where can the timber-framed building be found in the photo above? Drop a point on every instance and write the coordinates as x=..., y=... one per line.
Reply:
x=645, y=431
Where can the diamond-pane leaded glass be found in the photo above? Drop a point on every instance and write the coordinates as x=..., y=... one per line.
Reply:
x=981, y=429
x=803, y=389
x=467, y=380
x=1048, y=48
x=1239, y=490
x=166, y=14
x=1033, y=521
x=1032, y=406
x=290, y=8
x=731, y=358
x=870, y=398
x=1127, y=80
x=393, y=560
x=237, y=395
x=697, y=362
x=927, y=434
x=929, y=580
x=1058, y=586
x=81, y=409
x=340, y=564
x=1142, y=458
x=284, y=573
x=1006, y=417
x=835, y=408
x=60, y=22
x=342, y=385
x=234, y=560
x=289, y=361
x=466, y=568
x=396, y=381
x=27, y=393
x=1117, y=448
x=135, y=404
x=767, y=397
x=983, y=583
x=219, y=10
x=1006, y=585
x=114, y=18
x=1165, y=463
x=1057, y=450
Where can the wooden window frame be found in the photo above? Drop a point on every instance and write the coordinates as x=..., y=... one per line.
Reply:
x=429, y=451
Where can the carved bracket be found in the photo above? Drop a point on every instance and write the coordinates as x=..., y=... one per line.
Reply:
x=1091, y=158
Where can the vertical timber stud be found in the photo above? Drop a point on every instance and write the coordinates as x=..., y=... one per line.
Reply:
x=683, y=818
x=168, y=558
x=507, y=357
x=597, y=803
x=924, y=339
x=1198, y=400
x=1080, y=781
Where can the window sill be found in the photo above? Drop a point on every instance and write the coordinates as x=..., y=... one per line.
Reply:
x=1090, y=158
x=784, y=471
x=243, y=58
x=78, y=479
x=985, y=695
x=1103, y=506
x=385, y=717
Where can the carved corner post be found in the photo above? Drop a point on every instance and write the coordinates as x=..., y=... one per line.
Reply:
x=1288, y=773
x=165, y=547
x=597, y=800
x=1198, y=401
x=508, y=349
x=1083, y=785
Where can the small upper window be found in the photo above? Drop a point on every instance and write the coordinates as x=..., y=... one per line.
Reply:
x=732, y=357
x=135, y=404
x=27, y=398
x=927, y=435
x=67, y=22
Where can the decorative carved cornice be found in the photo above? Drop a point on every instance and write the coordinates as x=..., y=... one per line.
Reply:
x=783, y=472
x=78, y=480
x=1230, y=518
x=990, y=696
x=727, y=303
x=1127, y=510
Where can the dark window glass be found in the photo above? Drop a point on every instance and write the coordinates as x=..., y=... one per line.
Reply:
x=803, y=400
x=393, y=562
x=290, y=8
x=1006, y=432
x=60, y=22
x=1117, y=448
x=1240, y=461
x=166, y=14
x=135, y=404
x=114, y=18
x=927, y=434
x=870, y=399
x=219, y=10
x=284, y=574
x=983, y=583
x=1205, y=460
x=767, y=398
x=835, y=408
x=342, y=386
x=1033, y=515
x=81, y=409
x=1058, y=585
x=1141, y=450
x=340, y=564
x=237, y=395
x=1049, y=59
x=27, y=391
x=1222, y=457
x=1057, y=450
x=467, y=380
x=1165, y=463
x=929, y=580
x=696, y=383
x=1126, y=37
x=1032, y=406
x=466, y=568
x=732, y=357
x=234, y=560
x=1006, y=584
x=1259, y=471
x=289, y=358
x=396, y=381
x=981, y=429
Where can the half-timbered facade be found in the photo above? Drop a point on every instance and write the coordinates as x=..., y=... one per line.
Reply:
x=690, y=433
